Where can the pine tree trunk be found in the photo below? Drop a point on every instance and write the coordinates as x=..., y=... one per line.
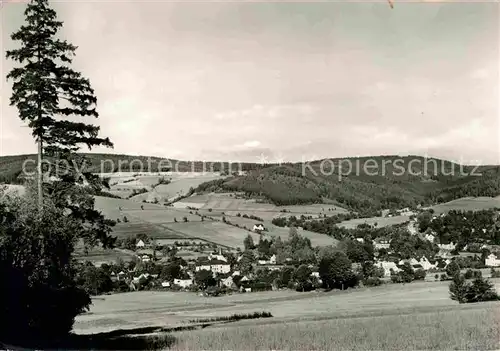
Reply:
x=40, y=175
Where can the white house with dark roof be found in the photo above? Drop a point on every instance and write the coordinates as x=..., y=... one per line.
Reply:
x=215, y=266
x=492, y=260
x=258, y=227
x=387, y=266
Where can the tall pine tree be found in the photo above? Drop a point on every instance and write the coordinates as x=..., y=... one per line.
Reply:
x=46, y=90
x=53, y=98
x=36, y=247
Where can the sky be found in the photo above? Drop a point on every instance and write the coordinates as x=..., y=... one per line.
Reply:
x=290, y=81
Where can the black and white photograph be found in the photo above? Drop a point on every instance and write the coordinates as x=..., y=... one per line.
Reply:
x=250, y=175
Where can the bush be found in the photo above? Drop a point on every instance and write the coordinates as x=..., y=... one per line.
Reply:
x=479, y=290
x=469, y=274
x=495, y=273
x=372, y=281
x=420, y=274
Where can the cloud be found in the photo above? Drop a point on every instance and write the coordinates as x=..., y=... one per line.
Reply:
x=252, y=144
x=209, y=81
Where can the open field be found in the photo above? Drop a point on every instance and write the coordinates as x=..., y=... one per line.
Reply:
x=443, y=330
x=215, y=232
x=381, y=221
x=99, y=256
x=317, y=239
x=419, y=315
x=231, y=205
x=468, y=204
x=180, y=184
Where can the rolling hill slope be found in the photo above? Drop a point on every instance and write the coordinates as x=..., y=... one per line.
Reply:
x=365, y=184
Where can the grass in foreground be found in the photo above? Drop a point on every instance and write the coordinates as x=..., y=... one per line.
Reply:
x=456, y=329
x=234, y=317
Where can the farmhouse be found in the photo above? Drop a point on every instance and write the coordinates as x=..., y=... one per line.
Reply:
x=271, y=267
x=425, y=263
x=228, y=282
x=449, y=247
x=492, y=260
x=382, y=243
x=165, y=284
x=258, y=228
x=215, y=266
x=218, y=257
x=270, y=261
x=183, y=283
x=140, y=244
x=387, y=266
x=145, y=258
x=430, y=237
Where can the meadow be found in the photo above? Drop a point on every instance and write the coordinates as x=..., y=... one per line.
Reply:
x=468, y=204
x=214, y=232
x=419, y=315
x=380, y=221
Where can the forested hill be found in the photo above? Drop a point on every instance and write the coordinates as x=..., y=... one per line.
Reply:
x=362, y=184
x=382, y=183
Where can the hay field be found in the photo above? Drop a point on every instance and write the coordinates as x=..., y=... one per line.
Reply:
x=317, y=239
x=381, y=221
x=462, y=329
x=468, y=204
x=180, y=184
x=374, y=314
x=231, y=205
x=213, y=231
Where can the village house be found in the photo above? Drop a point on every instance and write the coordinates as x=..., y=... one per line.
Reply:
x=430, y=237
x=218, y=257
x=492, y=260
x=228, y=282
x=165, y=284
x=183, y=283
x=387, y=266
x=382, y=243
x=426, y=264
x=143, y=276
x=258, y=228
x=448, y=247
x=140, y=244
x=271, y=260
x=271, y=267
x=144, y=258
x=215, y=266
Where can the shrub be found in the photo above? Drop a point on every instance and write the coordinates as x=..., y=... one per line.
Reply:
x=372, y=281
x=125, y=219
x=420, y=274
x=184, y=219
x=469, y=274
x=495, y=273
x=478, y=291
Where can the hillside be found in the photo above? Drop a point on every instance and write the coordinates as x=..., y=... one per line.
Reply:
x=11, y=166
x=364, y=189
x=372, y=184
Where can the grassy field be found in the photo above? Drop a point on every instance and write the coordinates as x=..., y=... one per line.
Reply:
x=381, y=221
x=468, y=204
x=215, y=232
x=180, y=184
x=460, y=329
x=411, y=316
x=231, y=205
